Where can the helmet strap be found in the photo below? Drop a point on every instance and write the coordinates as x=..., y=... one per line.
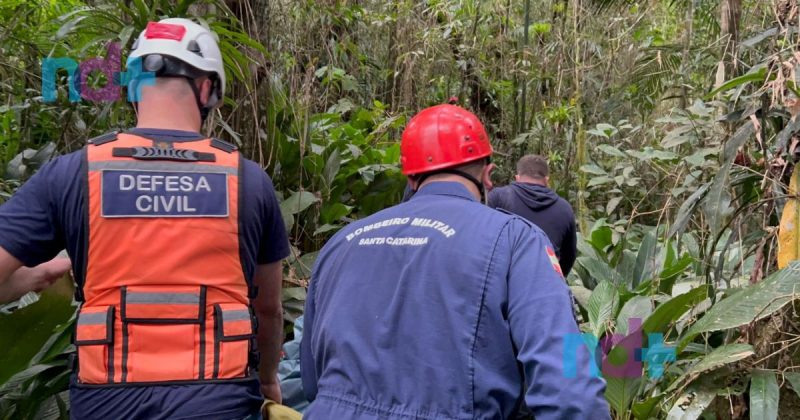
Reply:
x=203, y=109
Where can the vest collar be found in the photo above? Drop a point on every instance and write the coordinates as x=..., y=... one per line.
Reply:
x=169, y=135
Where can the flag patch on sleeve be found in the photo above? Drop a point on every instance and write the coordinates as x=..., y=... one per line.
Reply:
x=554, y=261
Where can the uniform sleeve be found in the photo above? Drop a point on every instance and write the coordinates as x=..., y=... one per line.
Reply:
x=308, y=370
x=274, y=244
x=28, y=228
x=541, y=320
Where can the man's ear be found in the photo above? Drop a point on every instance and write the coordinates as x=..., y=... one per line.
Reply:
x=205, y=90
x=547, y=181
x=486, y=176
x=516, y=177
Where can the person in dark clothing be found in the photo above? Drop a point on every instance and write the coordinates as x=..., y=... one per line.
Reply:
x=530, y=198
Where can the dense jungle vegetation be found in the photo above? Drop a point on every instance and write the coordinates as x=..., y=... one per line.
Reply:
x=668, y=124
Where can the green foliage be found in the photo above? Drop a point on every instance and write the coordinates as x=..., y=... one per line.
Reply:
x=751, y=303
x=764, y=396
x=34, y=371
x=29, y=328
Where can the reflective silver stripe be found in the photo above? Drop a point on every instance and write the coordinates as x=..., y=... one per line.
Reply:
x=160, y=298
x=238, y=315
x=160, y=166
x=93, y=318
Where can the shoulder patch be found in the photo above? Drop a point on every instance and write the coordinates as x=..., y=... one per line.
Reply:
x=104, y=138
x=223, y=145
x=554, y=261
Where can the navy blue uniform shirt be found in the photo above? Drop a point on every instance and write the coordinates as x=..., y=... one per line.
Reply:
x=48, y=214
x=441, y=308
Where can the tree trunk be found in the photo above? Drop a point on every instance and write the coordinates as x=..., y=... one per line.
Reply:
x=687, y=45
x=731, y=14
x=580, y=131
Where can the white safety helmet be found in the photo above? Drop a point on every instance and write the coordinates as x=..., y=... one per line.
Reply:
x=178, y=47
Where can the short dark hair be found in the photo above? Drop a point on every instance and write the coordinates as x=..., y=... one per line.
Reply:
x=533, y=166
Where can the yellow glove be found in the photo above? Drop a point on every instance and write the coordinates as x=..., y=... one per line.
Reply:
x=274, y=411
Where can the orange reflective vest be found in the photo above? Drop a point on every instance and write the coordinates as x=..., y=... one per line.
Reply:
x=165, y=294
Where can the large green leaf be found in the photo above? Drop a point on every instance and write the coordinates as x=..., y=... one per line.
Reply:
x=687, y=209
x=332, y=166
x=581, y=294
x=794, y=381
x=598, y=270
x=787, y=133
x=645, y=259
x=671, y=310
x=716, y=205
x=752, y=41
x=620, y=392
x=764, y=396
x=691, y=404
x=748, y=305
x=332, y=212
x=670, y=273
x=599, y=180
x=601, y=236
x=648, y=408
x=757, y=76
x=719, y=357
x=611, y=150
x=639, y=307
x=602, y=307
x=298, y=202
x=593, y=169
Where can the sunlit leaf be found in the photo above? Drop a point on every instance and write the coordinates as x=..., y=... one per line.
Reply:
x=620, y=392
x=599, y=180
x=611, y=150
x=645, y=259
x=298, y=202
x=691, y=404
x=612, y=204
x=593, y=169
x=637, y=307
x=757, y=76
x=750, y=304
x=720, y=356
x=602, y=307
x=686, y=211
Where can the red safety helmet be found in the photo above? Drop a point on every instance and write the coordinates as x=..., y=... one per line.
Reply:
x=442, y=136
